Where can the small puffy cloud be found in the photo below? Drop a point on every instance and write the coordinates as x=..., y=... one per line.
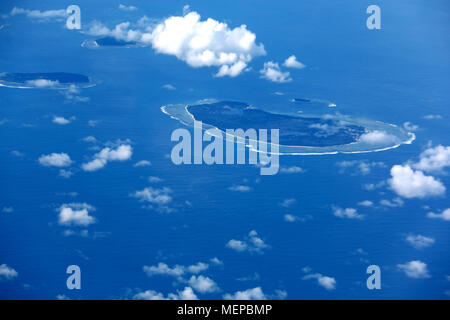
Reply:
x=154, y=195
x=197, y=268
x=434, y=159
x=237, y=245
x=419, y=241
x=17, y=153
x=374, y=186
x=291, y=170
x=55, y=160
x=93, y=123
x=409, y=183
x=349, y=213
x=169, y=87
x=152, y=179
x=203, y=284
x=75, y=214
x=42, y=83
x=37, y=14
x=410, y=126
x=252, y=243
x=290, y=218
x=7, y=273
x=432, y=116
x=65, y=173
x=444, y=215
x=142, y=163
x=186, y=294
x=378, y=137
x=90, y=139
x=286, y=203
x=7, y=209
x=127, y=8
x=176, y=271
x=240, y=188
x=328, y=283
x=365, y=203
x=272, y=72
x=395, y=203
x=415, y=269
x=122, y=153
x=61, y=120
x=358, y=167
x=292, y=62
x=164, y=269
x=206, y=43
x=249, y=294
x=294, y=218
x=216, y=261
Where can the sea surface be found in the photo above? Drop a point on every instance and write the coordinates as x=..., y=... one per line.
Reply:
x=395, y=75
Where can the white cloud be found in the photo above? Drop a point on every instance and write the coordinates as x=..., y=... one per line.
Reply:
x=328, y=283
x=216, y=261
x=76, y=214
x=7, y=209
x=349, y=213
x=55, y=160
x=90, y=139
x=169, y=87
x=237, y=245
x=395, y=203
x=127, y=8
x=7, y=273
x=410, y=126
x=252, y=243
x=292, y=62
x=37, y=14
x=415, y=269
x=419, y=241
x=61, y=120
x=199, y=43
x=272, y=72
x=176, y=271
x=152, y=179
x=432, y=116
x=366, y=203
x=410, y=183
x=203, y=284
x=434, y=159
x=290, y=218
x=142, y=163
x=186, y=294
x=122, y=153
x=360, y=167
x=378, y=137
x=444, y=215
x=164, y=269
x=249, y=294
x=293, y=169
x=286, y=203
x=42, y=83
x=65, y=173
x=186, y=9
x=154, y=195
x=197, y=268
x=240, y=188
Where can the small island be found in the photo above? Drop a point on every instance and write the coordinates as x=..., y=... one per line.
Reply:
x=294, y=131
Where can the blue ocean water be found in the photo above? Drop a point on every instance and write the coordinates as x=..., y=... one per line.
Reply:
x=397, y=74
